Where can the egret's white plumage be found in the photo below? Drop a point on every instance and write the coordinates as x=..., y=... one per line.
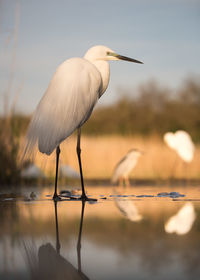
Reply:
x=182, y=143
x=69, y=100
x=182, y=222
x=126, y=165
x=66, y=105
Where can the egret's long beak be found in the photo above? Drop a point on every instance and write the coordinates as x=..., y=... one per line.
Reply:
x=121, y=57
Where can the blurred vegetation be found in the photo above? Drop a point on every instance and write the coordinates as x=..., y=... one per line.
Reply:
x=9, y=147
x=153, y=109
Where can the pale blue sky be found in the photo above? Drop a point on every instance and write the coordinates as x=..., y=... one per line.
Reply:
x=163, y=34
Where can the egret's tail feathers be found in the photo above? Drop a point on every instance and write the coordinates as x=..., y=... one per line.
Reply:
x=31, y=142
x=29, y=149
x=39, y=136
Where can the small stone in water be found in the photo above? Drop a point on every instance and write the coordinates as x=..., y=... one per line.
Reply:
x=145, y=195
x=163, y=194
x=171, y=194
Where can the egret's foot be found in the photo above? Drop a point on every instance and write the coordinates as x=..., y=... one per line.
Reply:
x=85, y=198
x=56, y=197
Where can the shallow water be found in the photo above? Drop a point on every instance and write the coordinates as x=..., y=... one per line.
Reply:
x=127, y=234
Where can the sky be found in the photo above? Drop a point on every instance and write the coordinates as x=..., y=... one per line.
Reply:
x=36, y=36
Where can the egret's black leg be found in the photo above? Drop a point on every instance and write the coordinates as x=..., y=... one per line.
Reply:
x=78, y=149
x=55, y=196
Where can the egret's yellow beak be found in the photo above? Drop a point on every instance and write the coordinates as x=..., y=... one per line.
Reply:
x=121, y=57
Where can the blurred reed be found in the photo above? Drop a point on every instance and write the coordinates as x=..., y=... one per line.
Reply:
x=101, y=153
x=9, y=131
x=138, y=121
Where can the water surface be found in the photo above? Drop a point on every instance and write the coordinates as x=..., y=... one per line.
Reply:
x=128, y=234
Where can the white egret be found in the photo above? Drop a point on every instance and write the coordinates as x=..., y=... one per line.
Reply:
x=69, y=101
x=125, y=166
x=182, y=222
x=182, y=143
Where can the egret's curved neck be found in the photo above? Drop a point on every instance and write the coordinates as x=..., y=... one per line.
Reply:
x=104, y=69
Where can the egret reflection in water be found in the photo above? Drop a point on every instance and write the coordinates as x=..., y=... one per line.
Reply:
x=50, y=264
x=127, y=208
x=182, y=222
x=114, y=247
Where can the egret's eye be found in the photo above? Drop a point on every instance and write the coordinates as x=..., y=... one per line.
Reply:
x=112, y=54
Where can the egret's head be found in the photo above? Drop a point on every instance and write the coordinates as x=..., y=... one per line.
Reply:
x=105, y=53
x=170, y=140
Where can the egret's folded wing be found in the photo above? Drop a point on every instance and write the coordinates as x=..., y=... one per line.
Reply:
x=119, y=169
x=66, y=105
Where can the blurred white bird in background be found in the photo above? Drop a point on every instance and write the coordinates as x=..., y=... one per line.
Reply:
x=182, y=222
x=69, y=101
x=181, y=142
x=68, y=171
x=32, y=172
x=125, y=166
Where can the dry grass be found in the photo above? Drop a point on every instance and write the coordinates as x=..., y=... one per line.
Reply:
x=100, y=155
